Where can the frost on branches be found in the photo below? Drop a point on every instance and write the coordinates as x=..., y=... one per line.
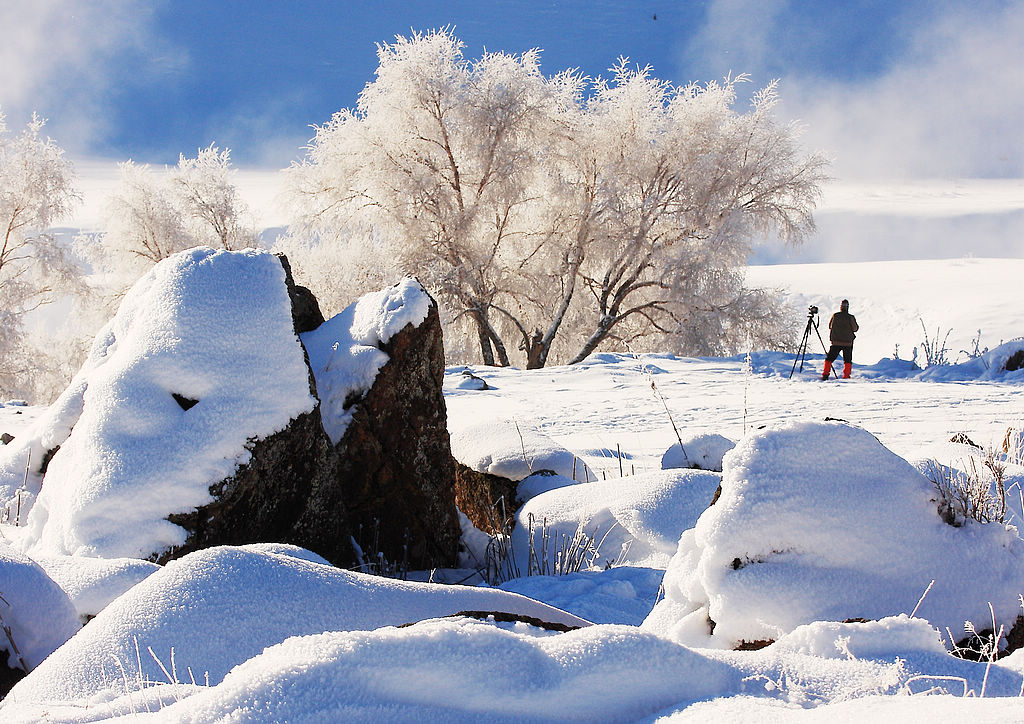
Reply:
x=153, y=215
x=36, y=190
x=558, y=215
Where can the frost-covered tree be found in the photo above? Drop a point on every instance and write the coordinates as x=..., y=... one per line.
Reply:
x=684, y=183
x=554, y=215
x=207, y=194
x=153, y=214
x=36, y=190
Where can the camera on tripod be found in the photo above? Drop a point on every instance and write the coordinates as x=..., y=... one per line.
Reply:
x=801, y=350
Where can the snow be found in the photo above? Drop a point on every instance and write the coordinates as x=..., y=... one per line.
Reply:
x=819, y=521
x=37, y=611
x=700, y=451
x=511, y=449
x=846, y=505
x=635, y=519
x=965, y=297
x=93, y=583
x=265, y=593
x=212, y=326
x=345, y=352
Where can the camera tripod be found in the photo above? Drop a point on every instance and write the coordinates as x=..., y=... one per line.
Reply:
x=801, y=352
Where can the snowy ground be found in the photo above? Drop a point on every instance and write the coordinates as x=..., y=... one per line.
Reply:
x=616, y=413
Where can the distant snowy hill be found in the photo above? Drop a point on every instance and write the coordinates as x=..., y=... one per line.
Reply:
x=891, y=299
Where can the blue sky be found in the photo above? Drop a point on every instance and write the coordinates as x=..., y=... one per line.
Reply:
x=891, y=90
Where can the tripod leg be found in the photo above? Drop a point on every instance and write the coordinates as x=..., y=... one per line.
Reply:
x=801, y=350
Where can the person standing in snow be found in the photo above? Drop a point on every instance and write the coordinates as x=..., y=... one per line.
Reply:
x=842, y=331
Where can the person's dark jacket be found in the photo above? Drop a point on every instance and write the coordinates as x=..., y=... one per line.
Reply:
x=842, y=328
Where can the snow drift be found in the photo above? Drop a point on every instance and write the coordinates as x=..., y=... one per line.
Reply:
x=37, y=611
x=513, y=450
x=636, y=519
x=219, y=607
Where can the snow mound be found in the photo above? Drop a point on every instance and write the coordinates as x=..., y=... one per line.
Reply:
x=988, y=367
x=820, y=522
x=221, y=606
x=200, y=359
x=92, y=583
x=700, y=451
x=539, y=483
x=38, y=612
x=867, y=640
x=624, y=594
x=636, y=519
x=461, y=670
x=512, y=450
x=345, y=351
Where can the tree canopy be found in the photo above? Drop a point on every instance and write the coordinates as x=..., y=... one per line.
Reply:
x=554, y=215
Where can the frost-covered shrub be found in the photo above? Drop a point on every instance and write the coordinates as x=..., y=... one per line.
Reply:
x=977, y=493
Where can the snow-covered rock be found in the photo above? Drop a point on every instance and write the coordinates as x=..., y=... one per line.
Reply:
x=379, y=368
x=200, y=360
x=346, y=352
x=820, y=522
x=92, y=583
x=514, y=450
x=38, y=612
x=699, y=451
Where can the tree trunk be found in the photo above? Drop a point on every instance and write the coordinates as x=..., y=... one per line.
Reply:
x=486, y=352
x=604, y=326
x=535, y=351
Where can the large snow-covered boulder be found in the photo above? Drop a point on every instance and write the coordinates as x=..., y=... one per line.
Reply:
x=636, y=519
x=379, y=368
x=219, y=607
x=200, y=364
x=36, y=612
x=820, y=522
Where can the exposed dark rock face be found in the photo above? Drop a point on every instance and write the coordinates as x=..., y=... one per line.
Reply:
x=1015, y=361
x=9, y=676
x=285, y=494
x=478, y=494
x=395, y=469
x=306, y=314
x=978, y=646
